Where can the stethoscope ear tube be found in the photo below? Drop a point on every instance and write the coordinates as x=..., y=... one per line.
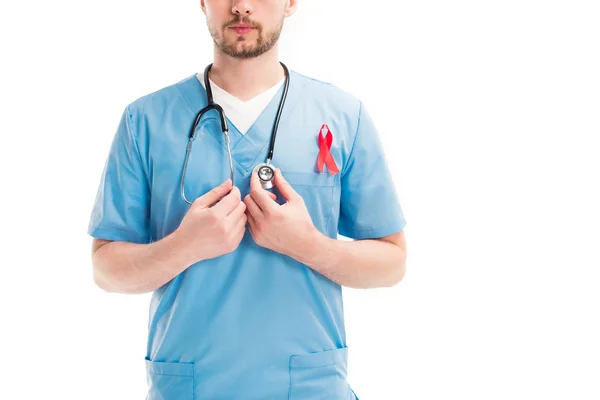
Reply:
x=187, y=156
x=209, y=107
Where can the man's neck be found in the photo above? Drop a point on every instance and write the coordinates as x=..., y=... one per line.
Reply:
x=246, y=78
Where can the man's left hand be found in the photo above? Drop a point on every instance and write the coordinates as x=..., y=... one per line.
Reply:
x=286, y=228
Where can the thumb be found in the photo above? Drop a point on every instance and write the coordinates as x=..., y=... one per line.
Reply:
x=286, y=190
x=214, y=195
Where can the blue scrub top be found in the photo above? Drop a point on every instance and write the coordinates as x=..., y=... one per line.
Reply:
x=252, y=324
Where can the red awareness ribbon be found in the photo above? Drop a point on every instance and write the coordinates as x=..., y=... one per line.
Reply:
x=325, y=156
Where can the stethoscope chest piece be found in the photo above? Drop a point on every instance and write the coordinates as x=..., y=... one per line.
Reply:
x=266, y=173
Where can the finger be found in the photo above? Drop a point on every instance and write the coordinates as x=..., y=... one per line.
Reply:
x=273, y=196
x=251, y=224
x=260, y=195
x=252, y=207
x=241, y=232
x=237, y=213
x=224, y=207
x=240, y=223
x=287, y=191
x=213, y=195
x=237, y=234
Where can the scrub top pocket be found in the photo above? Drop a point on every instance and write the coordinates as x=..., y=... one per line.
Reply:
x=317, y=190
x=169, y=381
x=320, y=376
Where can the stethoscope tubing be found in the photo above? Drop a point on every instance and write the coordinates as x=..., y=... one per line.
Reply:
x=211, y=105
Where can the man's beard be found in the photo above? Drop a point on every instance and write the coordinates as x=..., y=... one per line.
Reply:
x=263, y=44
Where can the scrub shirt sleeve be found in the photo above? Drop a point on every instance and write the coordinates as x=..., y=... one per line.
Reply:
x=369, y=205
x=121, y=211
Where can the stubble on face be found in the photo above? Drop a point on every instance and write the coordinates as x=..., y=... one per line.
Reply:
x=250, y=48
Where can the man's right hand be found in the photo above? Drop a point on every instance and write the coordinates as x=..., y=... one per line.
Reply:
x=208, y=232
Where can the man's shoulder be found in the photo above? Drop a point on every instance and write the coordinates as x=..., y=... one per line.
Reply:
x=162, y=97
x=322, y=90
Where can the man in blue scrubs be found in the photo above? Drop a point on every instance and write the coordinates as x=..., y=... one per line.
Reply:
x=247, y=282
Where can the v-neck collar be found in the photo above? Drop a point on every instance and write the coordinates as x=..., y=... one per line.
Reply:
x=238, y=102
x=245, y=148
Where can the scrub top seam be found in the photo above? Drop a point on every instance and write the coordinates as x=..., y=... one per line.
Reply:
x=136, y=147
x=223, y=147
x=331, y=203
x=287, y=109
x=118, y=230
x=130, y=235
x=148, y=205
x=355, y=137
x=185, y=99
x=397, y=221
x=290, y=378
x=163, y=374
x=253, y=162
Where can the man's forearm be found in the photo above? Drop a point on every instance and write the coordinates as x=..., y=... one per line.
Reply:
x=360, y=264
x=124, y=267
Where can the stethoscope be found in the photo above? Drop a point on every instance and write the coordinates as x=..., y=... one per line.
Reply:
x=265, y=171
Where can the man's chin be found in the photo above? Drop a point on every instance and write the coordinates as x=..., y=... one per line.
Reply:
x=241, y=51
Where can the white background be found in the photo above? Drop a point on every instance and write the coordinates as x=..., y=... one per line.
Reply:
x=490, y=114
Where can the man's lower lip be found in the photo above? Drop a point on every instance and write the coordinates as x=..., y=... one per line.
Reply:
x=242, y=31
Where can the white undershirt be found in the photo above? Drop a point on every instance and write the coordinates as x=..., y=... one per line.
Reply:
x=242, y=113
